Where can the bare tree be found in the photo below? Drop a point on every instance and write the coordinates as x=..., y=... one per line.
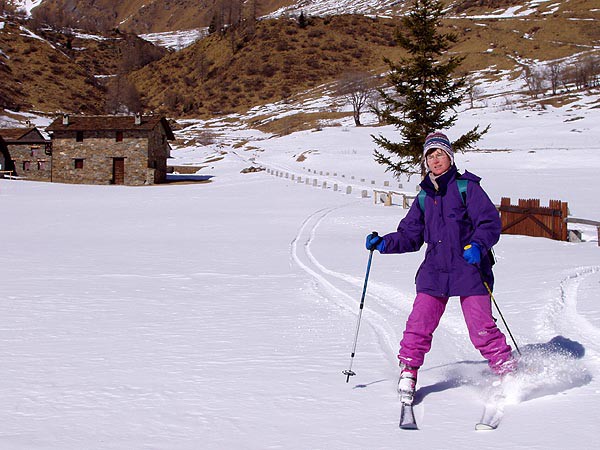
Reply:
x=472, y=89
x=591, y=67
x=122, y=96
x=567, y=77
x=579, y=75
x=554, y=73
x=356, y=88
x=534, y=79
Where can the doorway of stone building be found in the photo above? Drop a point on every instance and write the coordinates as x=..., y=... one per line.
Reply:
x=119, y=170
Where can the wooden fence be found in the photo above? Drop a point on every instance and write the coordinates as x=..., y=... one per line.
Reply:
x=528, y=218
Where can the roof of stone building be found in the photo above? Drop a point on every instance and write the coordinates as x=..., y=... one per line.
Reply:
x=107, y=123
x=29, y=134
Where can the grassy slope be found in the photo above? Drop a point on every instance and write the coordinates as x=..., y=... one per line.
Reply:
x=270, y=60
x=232, y=72
x=41, y=77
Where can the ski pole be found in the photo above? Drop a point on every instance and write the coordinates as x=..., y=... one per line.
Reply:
x=349, y=373
x=487, y=286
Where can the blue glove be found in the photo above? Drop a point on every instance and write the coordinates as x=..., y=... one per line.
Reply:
x=375, y=242
x=472, y=253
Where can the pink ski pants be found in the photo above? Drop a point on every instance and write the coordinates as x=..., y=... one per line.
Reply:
x=477, y=310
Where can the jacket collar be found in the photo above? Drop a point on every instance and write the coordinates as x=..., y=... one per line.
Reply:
x=442, y=181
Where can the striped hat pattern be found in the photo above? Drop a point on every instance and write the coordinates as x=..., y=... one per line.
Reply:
x=438, y=140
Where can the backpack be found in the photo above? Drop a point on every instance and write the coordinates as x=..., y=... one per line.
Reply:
x=462, y=189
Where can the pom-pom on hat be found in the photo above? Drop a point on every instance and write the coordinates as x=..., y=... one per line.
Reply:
x=438, y=140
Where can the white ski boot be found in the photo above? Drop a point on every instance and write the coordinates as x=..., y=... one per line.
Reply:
x=407, y=384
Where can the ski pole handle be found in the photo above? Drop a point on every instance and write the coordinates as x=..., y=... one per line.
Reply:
x=373, y=234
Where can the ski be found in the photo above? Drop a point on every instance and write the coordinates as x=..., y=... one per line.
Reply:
x=492, y=415
x=407, y=417
x=406, y=390
x=493, y=411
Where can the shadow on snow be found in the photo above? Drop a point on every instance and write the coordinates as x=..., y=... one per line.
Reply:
x=544, y=369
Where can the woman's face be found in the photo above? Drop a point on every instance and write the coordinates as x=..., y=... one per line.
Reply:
x=438, y=161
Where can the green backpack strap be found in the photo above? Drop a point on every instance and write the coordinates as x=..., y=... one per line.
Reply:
x=462, y=188
x=421, y=198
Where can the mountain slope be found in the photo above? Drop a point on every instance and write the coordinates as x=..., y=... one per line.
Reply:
x=257, y=62
x=277, y=58
x=141, y=16
x=50, y=70
x=37, y=75
x=269, y=62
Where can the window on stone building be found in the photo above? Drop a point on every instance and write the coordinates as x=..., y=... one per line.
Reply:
x=79, y=136
x=119, y=137
x=78, y=163
x=26, y=165
x=41, y=165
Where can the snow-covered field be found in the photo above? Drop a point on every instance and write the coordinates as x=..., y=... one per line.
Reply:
x=221, y=315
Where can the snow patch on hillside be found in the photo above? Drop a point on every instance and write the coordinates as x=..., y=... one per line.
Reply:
x=176, y=40
x=26, y=5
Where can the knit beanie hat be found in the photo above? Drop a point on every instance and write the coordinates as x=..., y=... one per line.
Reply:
x=437, y=140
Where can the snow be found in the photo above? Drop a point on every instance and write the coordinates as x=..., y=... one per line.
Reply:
x=176, y=40
x=94, y=37
x=26, y=5
x=316, y=8
x=221, y=315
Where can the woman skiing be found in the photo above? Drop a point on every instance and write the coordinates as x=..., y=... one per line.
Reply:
x=460, y=225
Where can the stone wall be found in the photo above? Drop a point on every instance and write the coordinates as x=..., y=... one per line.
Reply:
x=97, y=151
x=158, y=152
x=30, y=161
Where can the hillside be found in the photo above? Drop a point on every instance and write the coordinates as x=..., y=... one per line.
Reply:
x=51, y=70
x=269, y=62
x=141, y=16
x=277, y=58
x=256, y=62
x=38, y=75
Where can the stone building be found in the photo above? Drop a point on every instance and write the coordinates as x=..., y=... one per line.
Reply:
x=28, y=153
x=131, y=150
x=5, y=161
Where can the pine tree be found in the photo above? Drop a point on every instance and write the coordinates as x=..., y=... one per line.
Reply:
x=425, y=95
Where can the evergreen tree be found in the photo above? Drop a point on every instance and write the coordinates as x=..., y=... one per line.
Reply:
x=302, y=21
x=425, y=95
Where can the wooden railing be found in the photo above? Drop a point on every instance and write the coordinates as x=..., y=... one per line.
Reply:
x=593, y=223
x=526, y=218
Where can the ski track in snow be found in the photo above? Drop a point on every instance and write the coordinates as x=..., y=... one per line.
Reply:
x=337, y=284
x=561, y=363
x=383, y=315
x=547, y=369
x=563, y=317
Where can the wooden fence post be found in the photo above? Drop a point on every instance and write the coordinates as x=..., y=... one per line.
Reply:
x=388, y=199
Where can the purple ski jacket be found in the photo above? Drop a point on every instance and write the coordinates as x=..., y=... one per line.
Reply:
x=447, y=225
